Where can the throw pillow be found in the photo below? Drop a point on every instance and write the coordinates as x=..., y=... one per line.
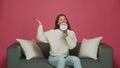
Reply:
x=30, y=48
x=89, y=48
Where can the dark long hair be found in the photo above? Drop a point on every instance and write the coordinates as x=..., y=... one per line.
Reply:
x=56, y=21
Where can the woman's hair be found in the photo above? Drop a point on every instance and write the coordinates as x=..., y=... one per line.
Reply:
x=56, y=21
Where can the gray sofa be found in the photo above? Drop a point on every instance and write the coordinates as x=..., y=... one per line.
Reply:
x=16, y=57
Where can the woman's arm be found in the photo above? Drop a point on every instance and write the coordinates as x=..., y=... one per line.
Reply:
x=71, y=40
x=40, y=34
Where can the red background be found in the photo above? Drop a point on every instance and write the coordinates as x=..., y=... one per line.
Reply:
x=88, y=18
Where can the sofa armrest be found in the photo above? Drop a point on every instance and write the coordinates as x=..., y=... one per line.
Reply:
x=13, y=55
x=105, y=55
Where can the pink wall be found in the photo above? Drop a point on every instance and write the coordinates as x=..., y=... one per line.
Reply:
x=88, y=18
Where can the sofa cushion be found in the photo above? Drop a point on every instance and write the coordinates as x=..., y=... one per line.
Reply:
x=89, y=48
x=30, y=48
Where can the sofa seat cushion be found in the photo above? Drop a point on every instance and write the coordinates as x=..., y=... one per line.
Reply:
x=90, y=63
x=34, y=63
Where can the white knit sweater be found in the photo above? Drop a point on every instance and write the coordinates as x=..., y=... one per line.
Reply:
x=59, y=44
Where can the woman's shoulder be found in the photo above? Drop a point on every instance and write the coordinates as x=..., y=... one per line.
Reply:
x=49, y=31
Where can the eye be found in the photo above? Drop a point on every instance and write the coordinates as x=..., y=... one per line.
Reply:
x=64, y=18
x=60, y=19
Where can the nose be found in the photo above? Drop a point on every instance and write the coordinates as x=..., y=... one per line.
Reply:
x=64, y=21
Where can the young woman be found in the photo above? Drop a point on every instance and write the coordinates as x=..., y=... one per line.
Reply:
x=60, y=42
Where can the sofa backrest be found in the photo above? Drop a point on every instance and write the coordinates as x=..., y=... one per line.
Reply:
x=45, y=48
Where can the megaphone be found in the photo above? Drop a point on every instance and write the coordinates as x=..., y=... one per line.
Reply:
x=63, y=26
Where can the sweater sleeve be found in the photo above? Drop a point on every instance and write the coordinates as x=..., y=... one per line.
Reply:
x=41, y=35
x=71, y=40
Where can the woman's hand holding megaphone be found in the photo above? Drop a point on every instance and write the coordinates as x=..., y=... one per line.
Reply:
x=65, y=33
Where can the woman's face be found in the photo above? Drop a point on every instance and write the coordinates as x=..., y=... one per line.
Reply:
x=62, y=19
